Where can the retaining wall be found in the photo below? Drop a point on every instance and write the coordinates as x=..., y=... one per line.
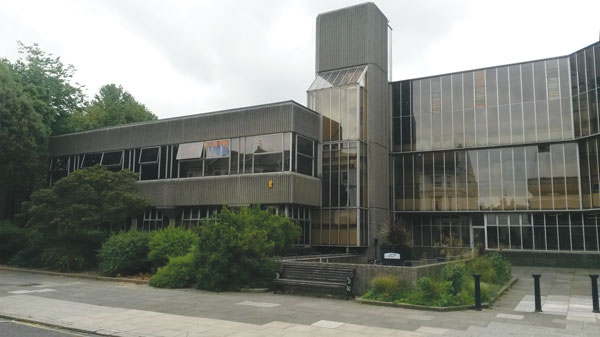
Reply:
x=366, y=272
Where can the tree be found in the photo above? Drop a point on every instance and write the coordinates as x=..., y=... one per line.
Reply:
x=235, y=248
x=90, y=199
x=112, y=105
x=38, y=98
x=23, y=142
x=50, y=86
x=74, y=216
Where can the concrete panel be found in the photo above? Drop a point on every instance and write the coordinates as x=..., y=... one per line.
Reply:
x=378, y=112
x=351, y=36
x=287, y=188
x=378, y=176
x=263, y=119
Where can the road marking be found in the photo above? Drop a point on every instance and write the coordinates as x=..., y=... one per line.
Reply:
x=259, y=304
x=20, y=292
x=327, y=324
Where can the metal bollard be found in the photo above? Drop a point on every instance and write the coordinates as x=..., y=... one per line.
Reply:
x=477, y=278
x=538, y=299
x=595, y=293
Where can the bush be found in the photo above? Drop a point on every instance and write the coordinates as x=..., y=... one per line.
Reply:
x=30, y=257
x=64, y=259
x=179, y=273
x=455, y=273
x=12, y=240
x=483, y=266
x=234, y=248
x=124, y=253
x=385, y=285
x=170, y=242
x=501, y=267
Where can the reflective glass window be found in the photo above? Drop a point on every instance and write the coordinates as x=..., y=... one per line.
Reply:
x=271, y=162
x=527, y=82
x=92, y=159
x=149, y=155
x=515, y=84
x=267, y=143
x=491, y=87
x=503, y=87
x=112, y=158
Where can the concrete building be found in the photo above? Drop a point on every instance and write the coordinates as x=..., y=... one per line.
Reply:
x=503, y=158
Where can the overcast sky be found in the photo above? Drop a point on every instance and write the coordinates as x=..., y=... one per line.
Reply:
x=185, y=57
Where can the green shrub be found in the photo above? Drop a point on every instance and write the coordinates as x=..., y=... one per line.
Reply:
x=483, y=266
x=170, y=242
x=455, y=273
x=179, y=273
x=30, y=257
x=12, y=240
x=124, y=253
x=66, y=258
x=234, y=248
x=426, y=287
x=501, y=267
x=385, y=285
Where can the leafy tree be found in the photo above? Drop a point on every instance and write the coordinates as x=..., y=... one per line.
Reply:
x=93, y=198
x=23, y=141
x=112, y=105
x=49, y=84
x=234, y=248
x=75, y=215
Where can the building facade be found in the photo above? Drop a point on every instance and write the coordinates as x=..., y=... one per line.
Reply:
x=501, y=158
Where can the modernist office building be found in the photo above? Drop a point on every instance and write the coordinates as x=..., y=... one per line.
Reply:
x=505, y=157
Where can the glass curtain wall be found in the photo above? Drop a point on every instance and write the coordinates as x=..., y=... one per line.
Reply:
x=539, y=177
x=516, y=104
x=509, y=231
x=585, y=86
x=340, y=97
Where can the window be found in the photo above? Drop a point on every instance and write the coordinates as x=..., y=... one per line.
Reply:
x=153, y=219
x=59, y=168
x=190, y=151
x=112, y=160
x=305, y=155
x=90, y=160
x=149, y=160
x=267, y=153
x=149, y=155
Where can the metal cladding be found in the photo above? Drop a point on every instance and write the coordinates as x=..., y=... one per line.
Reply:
x=263, y=119
x=352, y=36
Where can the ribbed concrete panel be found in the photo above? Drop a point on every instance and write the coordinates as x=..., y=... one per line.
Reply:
x=378, y=176
x=306, y=191
x=351, y=36
x=378, y=115
x=306, y=124
x=264, y=119
x=287, y=188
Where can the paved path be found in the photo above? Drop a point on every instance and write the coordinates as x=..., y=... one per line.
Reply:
x=136, y=310
x=18, y=329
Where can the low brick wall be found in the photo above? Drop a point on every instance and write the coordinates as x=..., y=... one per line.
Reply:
x=366, y=272
x=553, y=259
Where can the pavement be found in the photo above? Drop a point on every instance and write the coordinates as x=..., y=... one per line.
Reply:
x=19, y=329
x=125, y=309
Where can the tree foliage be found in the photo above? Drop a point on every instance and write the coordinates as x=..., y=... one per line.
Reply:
x=23, y=141
x=170, y=242
x=89, y=199
x=49, y=83
x=39, y=98
x=112, y=105
x=234, y=248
